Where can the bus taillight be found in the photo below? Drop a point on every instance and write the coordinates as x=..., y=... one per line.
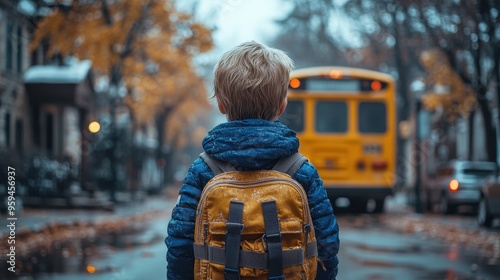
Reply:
x=379, y=165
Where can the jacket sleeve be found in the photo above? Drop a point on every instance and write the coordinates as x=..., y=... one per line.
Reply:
x=180, y=256
x=325, y=223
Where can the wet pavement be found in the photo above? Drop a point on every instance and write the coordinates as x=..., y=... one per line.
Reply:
x=91, y=244
x=370, y=249
x=138, y=253
x=128, y=244
x=37, y=218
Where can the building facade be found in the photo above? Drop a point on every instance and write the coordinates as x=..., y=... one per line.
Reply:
x=45, y=106
x=14, y=60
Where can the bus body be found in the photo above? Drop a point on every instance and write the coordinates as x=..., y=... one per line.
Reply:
x=345, y=119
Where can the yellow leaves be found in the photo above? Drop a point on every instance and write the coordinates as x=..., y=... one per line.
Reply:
x=447, y=90
x=159, y=91
x=198, y=40
x=431, y=101
x=150, y=43
x=52, y=26
x=106, y=35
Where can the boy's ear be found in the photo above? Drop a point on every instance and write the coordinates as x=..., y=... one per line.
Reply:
x=221, y=107
x=282, y=107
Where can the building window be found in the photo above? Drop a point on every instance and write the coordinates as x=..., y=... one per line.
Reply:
x=19, y=135
x=7, y=129
x=38, y=55
x=9, y=48
x=49, y=133
x=14, y=47
x=19, y=49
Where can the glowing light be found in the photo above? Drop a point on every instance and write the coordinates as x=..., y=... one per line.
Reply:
x=294, y=83
x=335, y=74
x=379, y=165
x=94, y=127
x=454, y=185
x=376, y=85
x=91, y=269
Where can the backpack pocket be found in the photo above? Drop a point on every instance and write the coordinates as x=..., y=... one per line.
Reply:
x=253, y=256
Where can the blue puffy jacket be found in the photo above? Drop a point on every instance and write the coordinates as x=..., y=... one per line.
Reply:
x=248, y=145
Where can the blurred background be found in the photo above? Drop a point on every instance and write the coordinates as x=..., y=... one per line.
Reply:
x=104, y=103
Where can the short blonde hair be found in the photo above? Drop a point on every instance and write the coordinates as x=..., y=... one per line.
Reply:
x=251, y=81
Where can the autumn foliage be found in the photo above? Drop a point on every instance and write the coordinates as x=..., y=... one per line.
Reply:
x=448, y=92
x=145, y=46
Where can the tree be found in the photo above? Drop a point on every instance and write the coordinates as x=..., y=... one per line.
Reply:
x=143, y=46
x=391, y=35
x=467, y=34
x=185, y=132
x=306, y=34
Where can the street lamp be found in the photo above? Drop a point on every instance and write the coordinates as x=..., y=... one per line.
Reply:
x=94, y=127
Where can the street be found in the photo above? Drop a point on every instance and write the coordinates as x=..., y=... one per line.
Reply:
x=106, y=105
x=372, y=246
x=370, y=249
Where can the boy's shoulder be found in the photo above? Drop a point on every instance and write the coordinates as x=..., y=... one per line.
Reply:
x=287, y=164
x=307, y=169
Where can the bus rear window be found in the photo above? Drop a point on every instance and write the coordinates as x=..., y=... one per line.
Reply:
x=293, y=116
x=331, y=116
x=372, y=117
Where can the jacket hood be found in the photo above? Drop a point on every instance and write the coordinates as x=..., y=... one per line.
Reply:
x=251, y=144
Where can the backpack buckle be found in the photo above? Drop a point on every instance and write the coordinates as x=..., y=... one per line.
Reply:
x=234, y=228
x=276, y=238
x=273, y=238
x=307, y=228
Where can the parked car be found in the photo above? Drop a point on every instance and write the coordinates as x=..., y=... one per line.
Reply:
x=489, y=205
x=457, y=183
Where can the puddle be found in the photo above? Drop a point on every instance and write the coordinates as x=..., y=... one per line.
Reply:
x=85, y=256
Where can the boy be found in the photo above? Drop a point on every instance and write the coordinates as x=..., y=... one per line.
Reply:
x=250, y=83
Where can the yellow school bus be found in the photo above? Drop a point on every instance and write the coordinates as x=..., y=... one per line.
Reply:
x=345, y=119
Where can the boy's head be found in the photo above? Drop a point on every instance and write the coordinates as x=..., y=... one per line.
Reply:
x=251, y=82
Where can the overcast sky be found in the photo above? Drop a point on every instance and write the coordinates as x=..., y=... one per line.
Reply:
x=239, y=21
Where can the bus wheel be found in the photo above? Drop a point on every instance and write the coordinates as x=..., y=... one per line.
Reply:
x=379, y=205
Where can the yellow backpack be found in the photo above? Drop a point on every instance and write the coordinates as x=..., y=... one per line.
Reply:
x=254, y=224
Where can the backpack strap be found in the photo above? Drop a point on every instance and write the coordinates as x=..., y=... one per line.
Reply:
x=234, y=227
x=290, y=164
x=273, y=238
x=215, y=165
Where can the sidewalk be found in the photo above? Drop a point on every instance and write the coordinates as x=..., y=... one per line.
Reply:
x=34, y=219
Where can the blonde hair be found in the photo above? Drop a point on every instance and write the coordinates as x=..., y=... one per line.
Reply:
x=251, y=81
